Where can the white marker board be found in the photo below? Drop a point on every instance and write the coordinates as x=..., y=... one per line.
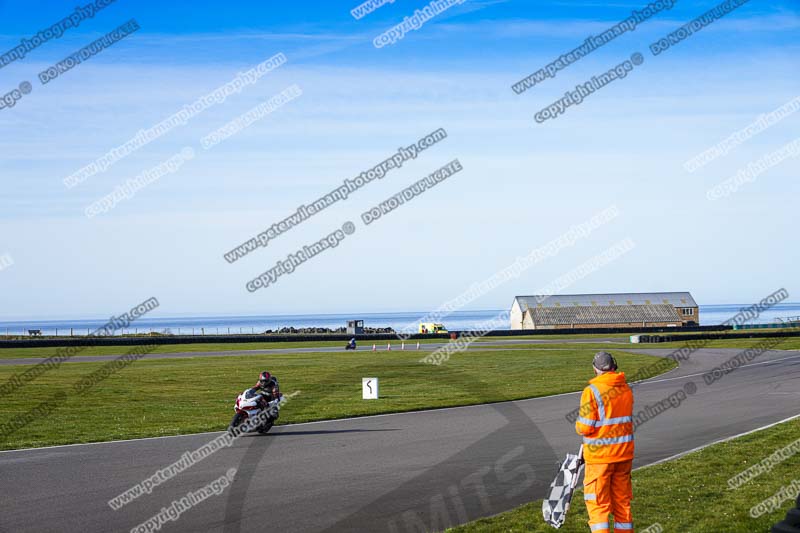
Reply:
x=369, y=388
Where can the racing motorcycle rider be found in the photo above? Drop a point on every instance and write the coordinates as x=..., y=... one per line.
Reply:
x=267, y=385
x=267, y=390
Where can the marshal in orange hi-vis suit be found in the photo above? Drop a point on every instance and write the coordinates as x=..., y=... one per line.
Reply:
x=606, y=422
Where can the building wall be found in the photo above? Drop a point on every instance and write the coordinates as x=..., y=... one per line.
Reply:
x=527, y=323
x=516, y=316
x=618, y=325
x=686, y=319
x=522, y=320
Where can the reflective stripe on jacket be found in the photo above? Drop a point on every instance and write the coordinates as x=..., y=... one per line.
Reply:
x=605, y=419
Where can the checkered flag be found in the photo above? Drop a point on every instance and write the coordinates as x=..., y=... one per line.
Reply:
x=556, y=505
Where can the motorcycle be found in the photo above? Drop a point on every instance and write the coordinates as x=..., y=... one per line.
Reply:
x=350, y=345
x=255, y=411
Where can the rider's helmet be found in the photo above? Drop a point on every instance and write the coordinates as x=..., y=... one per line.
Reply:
x=264, y=379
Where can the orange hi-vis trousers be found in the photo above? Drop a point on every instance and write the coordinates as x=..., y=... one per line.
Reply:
x=607, y=490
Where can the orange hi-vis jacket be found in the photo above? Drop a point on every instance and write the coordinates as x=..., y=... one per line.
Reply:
x=605, y=419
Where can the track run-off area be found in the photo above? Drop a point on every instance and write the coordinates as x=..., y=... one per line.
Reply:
x=414, y=471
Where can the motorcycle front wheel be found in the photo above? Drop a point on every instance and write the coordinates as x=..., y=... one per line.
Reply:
x=237, y=420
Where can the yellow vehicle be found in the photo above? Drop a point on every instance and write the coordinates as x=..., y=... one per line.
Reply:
x=430, y=327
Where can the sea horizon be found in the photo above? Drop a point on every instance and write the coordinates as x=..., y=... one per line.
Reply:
x=401, y=321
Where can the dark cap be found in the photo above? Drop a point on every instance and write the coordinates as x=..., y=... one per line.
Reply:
x=604, y=362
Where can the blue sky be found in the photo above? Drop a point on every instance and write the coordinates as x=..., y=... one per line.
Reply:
x=523, y=183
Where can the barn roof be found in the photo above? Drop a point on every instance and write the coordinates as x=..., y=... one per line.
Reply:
x=676, y=299
x=616, y=314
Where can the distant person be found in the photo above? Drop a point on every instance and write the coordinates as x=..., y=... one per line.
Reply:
x=606, y=423
x=352, y=343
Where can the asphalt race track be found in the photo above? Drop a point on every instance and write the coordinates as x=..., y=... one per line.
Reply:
x=395, y=473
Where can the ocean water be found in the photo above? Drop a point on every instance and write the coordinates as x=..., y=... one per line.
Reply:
x=402, y=321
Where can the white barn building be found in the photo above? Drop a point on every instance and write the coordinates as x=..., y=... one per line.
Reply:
x=622, y=310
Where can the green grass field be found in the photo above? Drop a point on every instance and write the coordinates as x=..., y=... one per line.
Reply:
x=790, y=343
x=176, y=396
x=732, y=331
x=620, y=341
x=689, y=494
x=19, y=353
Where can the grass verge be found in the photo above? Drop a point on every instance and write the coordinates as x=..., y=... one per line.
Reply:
x=177, y=396
x=21, y=353
x=788, y=343
x=689, y=494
